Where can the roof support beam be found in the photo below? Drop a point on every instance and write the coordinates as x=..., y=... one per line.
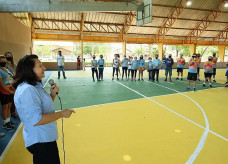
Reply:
x=171, y=19
x=127, y=24
x=105, y=39
x=221, y=37
x=64, y=6
x=193, y=36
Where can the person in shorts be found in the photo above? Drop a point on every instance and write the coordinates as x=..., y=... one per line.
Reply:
x=214, y=60
x=208, y=70
x=180, y=66
x=192, y=72
x=198, y=61
x=141, y=63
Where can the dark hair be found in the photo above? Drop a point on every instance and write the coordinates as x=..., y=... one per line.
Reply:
x=12, y=62
x=24, y=71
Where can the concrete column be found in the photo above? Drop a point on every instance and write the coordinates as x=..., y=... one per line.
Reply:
x=221, y=50
x=124, y=48
x=160, y=50
x=192, y=49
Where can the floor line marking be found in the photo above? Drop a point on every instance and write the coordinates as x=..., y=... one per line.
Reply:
x=204, y=136
x=15, y=134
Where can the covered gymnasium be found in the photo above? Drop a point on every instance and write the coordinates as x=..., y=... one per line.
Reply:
x=118, y=122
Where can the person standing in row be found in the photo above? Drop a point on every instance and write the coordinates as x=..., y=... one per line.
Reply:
x=60, y=60
x=180, y=66
x=141, y=64
x=214, y=60
x=124, y=67
x=115, y=65
x=101, y=67
x=168, y=69
x=192, y=72
x=94, y=67
x=150, y=67
x=129, y=66
x=208, y=70
x=156, y=66
x=198, y=61
x=134, y=69
x=11, y=67
x=163, y=62
x=84, y=64
x=6, y=94
x=226, y=74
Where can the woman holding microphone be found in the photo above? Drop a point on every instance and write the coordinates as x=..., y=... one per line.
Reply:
x=36, y=111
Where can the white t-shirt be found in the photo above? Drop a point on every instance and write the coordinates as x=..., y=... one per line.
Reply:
x=60, y=60
x=115, y=63
x=129, y=65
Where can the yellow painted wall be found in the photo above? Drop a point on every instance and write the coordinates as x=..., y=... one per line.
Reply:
x=14, y=36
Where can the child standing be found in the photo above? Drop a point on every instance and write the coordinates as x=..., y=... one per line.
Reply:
x=150, y=67
x=129, y=66
x=116, y=63
x=141, y=64
x=134, y=68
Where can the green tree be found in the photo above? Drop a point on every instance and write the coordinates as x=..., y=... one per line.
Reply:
x=139, y=51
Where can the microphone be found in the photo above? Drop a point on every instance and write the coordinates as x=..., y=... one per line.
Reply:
x=51, y=82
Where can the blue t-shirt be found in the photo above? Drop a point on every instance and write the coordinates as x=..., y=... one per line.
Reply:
x=169, y=63
x=156, y=62
x=6, y=77
x=101, y=63
x=94, y=63
x=134, y=64
x=149, y=64
x=141, y=63
x=124, y=62
x=31, y=103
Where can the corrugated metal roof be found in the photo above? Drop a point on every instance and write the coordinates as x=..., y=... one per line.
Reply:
x=105, y=21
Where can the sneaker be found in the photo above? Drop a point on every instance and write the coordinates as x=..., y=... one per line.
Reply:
x=210, y=85
x=117, y=78
x=58, y=77
x=194, y=89
x=165, y=80
x=64, y=77
x=112, y=78
x=138, y=79
x=187, y=88
x=7, y=126
x=181, y=79
x=157, y=80
x=177, y=78
x=93, y=80
x=204, y=85
x=214, y=81
x=13, y=124
x=135, y=79
x=131, y=79
x=142, y=79
x=2, y=135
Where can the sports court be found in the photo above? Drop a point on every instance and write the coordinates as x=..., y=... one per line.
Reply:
x=123, y=121
x=137, y=122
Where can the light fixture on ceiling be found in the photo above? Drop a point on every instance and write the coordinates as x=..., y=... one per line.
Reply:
x=189, y=3
x=226, y=4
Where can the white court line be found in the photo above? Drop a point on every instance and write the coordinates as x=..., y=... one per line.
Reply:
x=15, y=134
x=206, y=130
x=204, y=136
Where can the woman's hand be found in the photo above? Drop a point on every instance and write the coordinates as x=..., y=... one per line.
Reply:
x=67, y=113
x=54, y=89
